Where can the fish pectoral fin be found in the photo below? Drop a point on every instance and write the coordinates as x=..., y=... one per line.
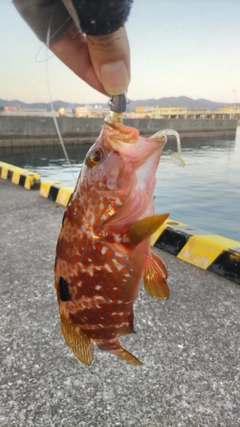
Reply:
x=155, y=275
x=81, y=345
x=145, y=227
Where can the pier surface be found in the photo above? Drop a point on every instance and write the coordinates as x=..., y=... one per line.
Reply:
x=189, y=345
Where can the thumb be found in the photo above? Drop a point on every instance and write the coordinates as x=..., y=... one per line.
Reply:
x=110, y=58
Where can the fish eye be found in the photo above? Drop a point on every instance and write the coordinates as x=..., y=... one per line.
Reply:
x=94, y=158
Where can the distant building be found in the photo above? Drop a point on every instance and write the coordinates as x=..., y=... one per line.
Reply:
x=65, y=112
x=139, y=110
x=231, y=108
x=90, y=111
x=82, y=111
x=31, y=110
x=8, y=108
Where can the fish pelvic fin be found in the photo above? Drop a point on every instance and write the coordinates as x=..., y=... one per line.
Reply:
x=116, y=349
x=81, y=345
x=145, y=227
x=154, y=277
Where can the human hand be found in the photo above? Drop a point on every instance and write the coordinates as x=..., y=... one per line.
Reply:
x=101, y=61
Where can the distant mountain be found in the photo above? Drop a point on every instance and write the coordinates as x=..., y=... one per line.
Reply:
x=180, y=101
x=44, y=105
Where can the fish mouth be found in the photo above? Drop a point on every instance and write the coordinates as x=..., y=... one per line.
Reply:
x=116, y=131
x=127, y=142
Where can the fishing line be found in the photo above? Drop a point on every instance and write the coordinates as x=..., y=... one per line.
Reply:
x=52, y=109
x=47, y=41
x=40, y=61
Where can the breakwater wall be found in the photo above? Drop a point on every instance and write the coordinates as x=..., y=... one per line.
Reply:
x=33, y=130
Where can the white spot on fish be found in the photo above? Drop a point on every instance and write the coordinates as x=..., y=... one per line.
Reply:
x=98, y=287
x=118, y=201
x=108, y=268
x=103, y=250
x=116, y=263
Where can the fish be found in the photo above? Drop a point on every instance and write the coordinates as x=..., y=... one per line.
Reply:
x=103, y=249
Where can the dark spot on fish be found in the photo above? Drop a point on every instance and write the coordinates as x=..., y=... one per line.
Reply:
x=63, y=290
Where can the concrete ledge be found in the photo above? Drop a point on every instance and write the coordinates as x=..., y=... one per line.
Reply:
x=55, y=191
x=37, y=128
x=200, y=248
x=27, y=179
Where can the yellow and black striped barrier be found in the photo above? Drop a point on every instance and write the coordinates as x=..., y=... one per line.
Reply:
x=200, y=248
x=27, y=179
x=55, y=191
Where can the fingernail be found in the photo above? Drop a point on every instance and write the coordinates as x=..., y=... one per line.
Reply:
x=114, y=77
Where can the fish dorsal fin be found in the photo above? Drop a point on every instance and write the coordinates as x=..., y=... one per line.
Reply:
x=145, y=227
x=81, y=345
x=155, y=275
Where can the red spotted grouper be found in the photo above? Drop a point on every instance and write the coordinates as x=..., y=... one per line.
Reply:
x=103, y=248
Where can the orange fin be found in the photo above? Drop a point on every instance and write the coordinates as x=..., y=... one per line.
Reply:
x=116, y=349
x=125, y=355
x=155, y=275
x=145, y=227
x=81, y=345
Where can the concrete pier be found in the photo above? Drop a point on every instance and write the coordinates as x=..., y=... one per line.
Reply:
x=189, y=344
x=28, y=131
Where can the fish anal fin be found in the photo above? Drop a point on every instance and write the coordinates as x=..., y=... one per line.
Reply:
x=125, y=355
x=116, y=349
x=144, y=228
x=155, y=275
x=81, y=345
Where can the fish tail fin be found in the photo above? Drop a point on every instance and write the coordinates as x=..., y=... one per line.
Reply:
x=81, y=345
x=116, y=349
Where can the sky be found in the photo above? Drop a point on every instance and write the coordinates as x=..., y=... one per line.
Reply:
x=178, y=47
